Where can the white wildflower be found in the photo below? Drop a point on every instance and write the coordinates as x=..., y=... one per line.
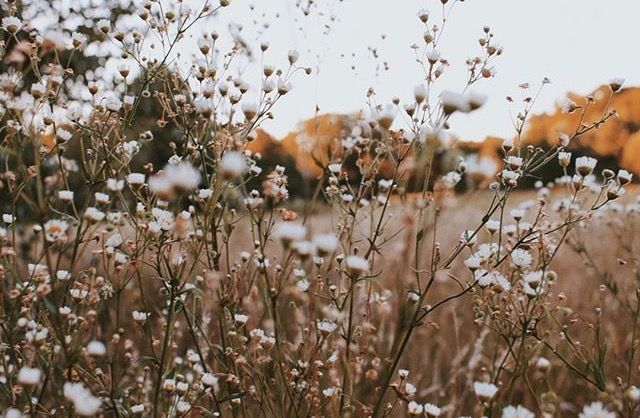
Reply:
x=29, y=375
x=96, y=348
x=357, y=265
x=521, y=258
x=485, y=391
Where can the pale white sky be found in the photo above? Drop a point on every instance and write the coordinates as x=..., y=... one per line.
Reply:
x=578, y=44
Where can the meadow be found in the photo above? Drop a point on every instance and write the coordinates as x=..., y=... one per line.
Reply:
x=151, y=265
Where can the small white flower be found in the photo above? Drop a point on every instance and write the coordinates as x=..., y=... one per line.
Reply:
x=104, y=26
x=335, y=168
x=11, y=24
x=414, y=408
x=410, y=389
x=501, y=283
x=616, y=83
x=325, y=244
x=532, y=292
x=115, y=185
x=564, y=158
x=112, y=103
x=115, y=240
x=303, y=248
x=232, y=165
x=65, y=195
x=632, y=394
x=521, y=258
x=347, y=198
x=596, y=410
x=357, y=265
x=135, y=179
x=510, y=177
x=585, y=165
x=517, y=214
x=96, y=348
x=517, y=412
x=94, y=214
x=473, y=262
x=432, y=135
x=179, y=177
x=451, y=179
x=293, y=56
x=468, y=237
x=78, y=294
x=492, y=226
x=483, y=277
x=241, y=318
x=420, y=93
x=569, y=106
x=139, y=316
x=12, y=413
x=182, y=387
x=326, y=327
x=183, y=406
x=250, y=110
x=210, y=380
x=543, y=363
x=485, y=391
x=84, y=403
x=101, y=198
x=284, y=87
x=533, y=278
x=287, y=232
x=204, y=194
x=169, y=385
x=55, y=230
x=433, y=56
x=329, y=392
x=78, y=40
x=385, y=116
x=29, y=375
x=120, y=258
x=475, y=100
x=624, y=177
x=454, y=102
x=564, y=139
x=431, y=410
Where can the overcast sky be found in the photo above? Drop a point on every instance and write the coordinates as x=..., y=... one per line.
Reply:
x=578, y=44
